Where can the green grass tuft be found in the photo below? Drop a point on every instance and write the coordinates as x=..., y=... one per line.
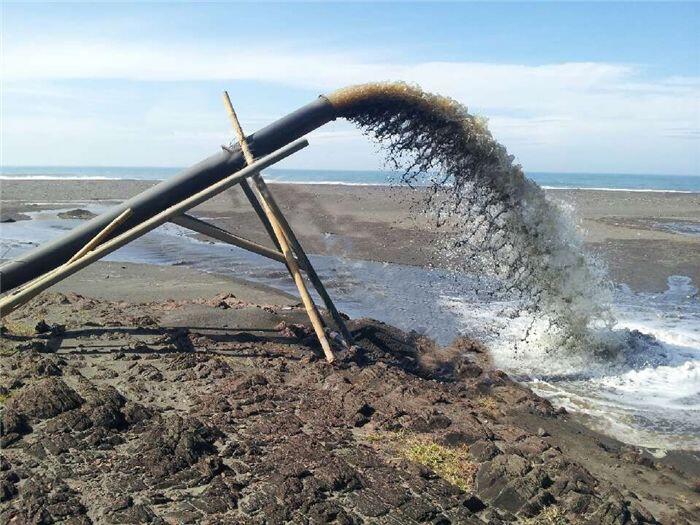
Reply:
x=550, y=516
x=452, y=464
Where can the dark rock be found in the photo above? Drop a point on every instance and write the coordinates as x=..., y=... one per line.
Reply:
x=439, y=421
x=337, y=476
x=474, y=504
x=135, y=413
x=8, y=490
x=160, y=499
x=368, y=504
x=483, y=450
x=44, y=399
x=430, y=423
x=77, y=213
x=175, y=444
x=14, y=422
x=149, y=372
x=418, y=510
x=121, y=504
x=258, y=498
x=46, y=500
x=46, y=367
x=11, y=217
x=220, y=496
x=133, y=514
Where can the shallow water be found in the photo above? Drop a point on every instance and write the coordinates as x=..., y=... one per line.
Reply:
x=680, y=227
x=648, y=396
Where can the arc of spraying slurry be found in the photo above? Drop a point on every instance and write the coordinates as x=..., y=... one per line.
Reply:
x=292, y=264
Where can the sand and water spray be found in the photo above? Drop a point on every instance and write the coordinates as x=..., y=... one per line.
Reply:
x=555, y=318
x=494, y=220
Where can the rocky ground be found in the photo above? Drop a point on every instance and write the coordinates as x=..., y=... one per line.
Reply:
x=218, y=410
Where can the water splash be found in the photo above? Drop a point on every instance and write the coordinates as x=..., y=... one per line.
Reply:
x=492, y=216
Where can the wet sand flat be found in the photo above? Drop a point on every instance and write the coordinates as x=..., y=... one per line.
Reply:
x=628, y=229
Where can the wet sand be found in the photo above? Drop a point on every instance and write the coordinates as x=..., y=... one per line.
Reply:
x=168, y=394
x=141, y=399
x=627, y=229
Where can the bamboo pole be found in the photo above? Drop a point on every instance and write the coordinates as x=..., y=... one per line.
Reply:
x=97, y=239
x=304, y=261
x=263, y=192
x=10, y=302
x=273, y=212
x=311, y=309
x=260, y=212
x=199, y=226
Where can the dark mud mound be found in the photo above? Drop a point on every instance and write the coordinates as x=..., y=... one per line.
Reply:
x=250, y=425
x=495, y=219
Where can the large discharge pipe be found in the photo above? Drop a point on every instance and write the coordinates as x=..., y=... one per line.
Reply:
x=145, y=205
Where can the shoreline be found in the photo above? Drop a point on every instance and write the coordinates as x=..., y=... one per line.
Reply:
x=361, y=230
x=272, y=180
x=249, y=365
x=628, y=230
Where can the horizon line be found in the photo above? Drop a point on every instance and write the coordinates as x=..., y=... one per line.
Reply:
x=57, y=166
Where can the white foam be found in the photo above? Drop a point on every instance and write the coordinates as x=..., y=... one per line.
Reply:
x=59, y=177
x=633, y=190
x=648, y=394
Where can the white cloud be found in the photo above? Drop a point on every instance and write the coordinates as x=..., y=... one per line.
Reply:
x=550, y=115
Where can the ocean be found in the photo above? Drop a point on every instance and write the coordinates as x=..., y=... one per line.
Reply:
x=603, y=181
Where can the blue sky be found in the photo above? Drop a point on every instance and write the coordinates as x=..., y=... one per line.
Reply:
x=580, y=87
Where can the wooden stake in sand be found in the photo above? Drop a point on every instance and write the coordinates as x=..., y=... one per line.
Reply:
x=292, y=264
x=97, y=239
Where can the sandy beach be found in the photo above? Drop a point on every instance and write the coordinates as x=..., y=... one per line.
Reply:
x=629, y=230
x=159, y=393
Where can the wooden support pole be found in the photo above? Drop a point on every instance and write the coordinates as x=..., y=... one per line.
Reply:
x=199, y=226
x=311, y=310
x=253, y=199
x=263, y=193
x=303, y=259
x=10, y=302
x=97, y=239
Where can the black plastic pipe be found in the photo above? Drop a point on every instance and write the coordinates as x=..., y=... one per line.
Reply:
x=44, y=258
